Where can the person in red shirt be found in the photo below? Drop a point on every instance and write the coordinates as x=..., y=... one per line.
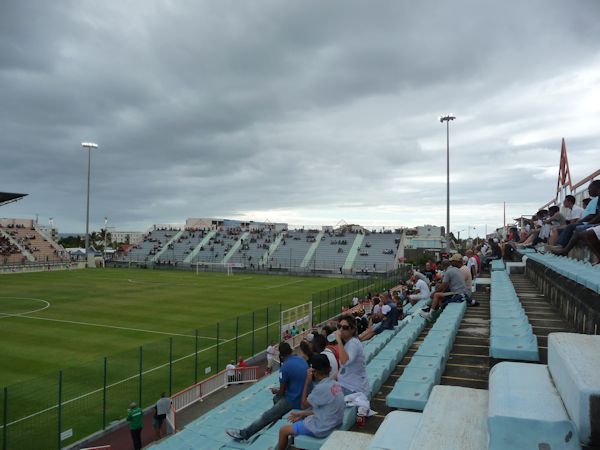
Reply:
x=241, y=363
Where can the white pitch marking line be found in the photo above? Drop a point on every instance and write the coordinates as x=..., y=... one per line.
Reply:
x=284, y=284
x=74, y=322
x=4, y=315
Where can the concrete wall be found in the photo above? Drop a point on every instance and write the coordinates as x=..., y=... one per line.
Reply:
x=579, y=305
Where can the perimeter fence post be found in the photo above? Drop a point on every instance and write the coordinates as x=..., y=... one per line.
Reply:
x=280, y=321
x=218, y=348
x=170, y=366
x=252, y=333
x=104, y=382
x=140, y=377
x=196, y=359
x=60, y=376
x=237, y=332
x=5, y=420
x=267, y=327
x=320, y=309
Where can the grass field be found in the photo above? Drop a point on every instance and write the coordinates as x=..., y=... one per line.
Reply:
x=87, y=315
x=120, y=335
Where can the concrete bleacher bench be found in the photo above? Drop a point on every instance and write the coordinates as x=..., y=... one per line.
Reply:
x=453, y=419
x=497, y=264
x=526, y=411
x=511, y=334
x=396, y=431
x=423, y=372
x=574, y=363
x=348, y=440
x=577, y=270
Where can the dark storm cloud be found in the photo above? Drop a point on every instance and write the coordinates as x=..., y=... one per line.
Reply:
x=292, y=110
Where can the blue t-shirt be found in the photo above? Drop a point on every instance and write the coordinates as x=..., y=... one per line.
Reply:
x=592, y=208
x=293, y=374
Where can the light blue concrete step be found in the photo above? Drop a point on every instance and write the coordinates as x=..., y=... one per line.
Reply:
x=574, y=363
x=397, y=431
x=526, y=411
x=522, y=348
x=408, y=395
x=454, y=419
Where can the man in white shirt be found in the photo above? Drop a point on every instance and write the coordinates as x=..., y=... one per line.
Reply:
x=422, y=289
x=230, y=371
x=572, y=214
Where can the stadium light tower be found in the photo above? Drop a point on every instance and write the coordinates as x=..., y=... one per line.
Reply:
x=89, y=146
x=447, y=118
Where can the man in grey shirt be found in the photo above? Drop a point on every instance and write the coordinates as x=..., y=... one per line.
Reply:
x=452, y=289
x=161, y=409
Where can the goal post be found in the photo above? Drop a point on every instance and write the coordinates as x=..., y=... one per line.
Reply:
x=299, y=318
x=202, y=266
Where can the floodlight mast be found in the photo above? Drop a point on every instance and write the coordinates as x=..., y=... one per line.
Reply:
x=447, y=118
x=89, y=146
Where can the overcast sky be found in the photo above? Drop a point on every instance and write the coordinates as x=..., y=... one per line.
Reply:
x=306, y=112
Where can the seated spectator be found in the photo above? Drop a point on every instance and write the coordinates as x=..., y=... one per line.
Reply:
x=569, y=237
x=378, y=323
x=319, y=345
x=292, y=377
x=421, y=289
x=452, y=289
x=592, y=238
x=376, y=306
x=353, y=374
x=324, y=405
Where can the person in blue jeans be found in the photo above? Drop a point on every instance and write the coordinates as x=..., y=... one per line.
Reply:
x=572, y=233
x=288, y=396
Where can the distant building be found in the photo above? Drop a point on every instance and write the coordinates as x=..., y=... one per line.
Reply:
x=426, y=237
x=126, y=237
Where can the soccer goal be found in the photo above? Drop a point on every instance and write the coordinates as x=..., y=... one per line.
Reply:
x=202, y=266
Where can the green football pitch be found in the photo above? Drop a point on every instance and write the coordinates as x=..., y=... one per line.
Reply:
x=78, y=346
x=50, y=321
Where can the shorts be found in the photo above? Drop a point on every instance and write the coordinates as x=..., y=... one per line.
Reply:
x=596, y=230
x=158, y=421
x=300, y=429
x=456, y=298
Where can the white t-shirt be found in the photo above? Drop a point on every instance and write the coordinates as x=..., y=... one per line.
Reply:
x=230, y=370
x=271, y=353
x=377, y=308
x=163, y=405
x=332, y=362
x=423, y=290
x=472, y=263
x=355, y=301
x=574, y=213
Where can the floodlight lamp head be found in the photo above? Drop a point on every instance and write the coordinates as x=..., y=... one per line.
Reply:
x=447, y=118
x=89, y=145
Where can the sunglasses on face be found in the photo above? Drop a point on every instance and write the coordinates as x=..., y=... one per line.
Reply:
x=344, y=327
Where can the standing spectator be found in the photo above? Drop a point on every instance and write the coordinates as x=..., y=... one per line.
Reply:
x=292, y=377
x=230, y=371
x=161, y=409
x=135, y=417
x=325, y=402
x=271, y=354
x=241, y=363
x=353, y=374
x=472, y=264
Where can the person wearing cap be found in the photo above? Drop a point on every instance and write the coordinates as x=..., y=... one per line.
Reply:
x=135, y=417
x=452, y=289
x=324, y=406
x=292, y=377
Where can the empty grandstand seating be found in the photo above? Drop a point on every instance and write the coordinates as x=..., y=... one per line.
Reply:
x=153, y=242
x=511, y=335
x=291, y=250
x=577, y=270
x=526, y=411
x=424, y=371
x=373, y=256
x=332, y=251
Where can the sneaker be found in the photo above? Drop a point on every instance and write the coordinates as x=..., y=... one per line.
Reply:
x=474, y=303
x=425, y=314
x=234, y=433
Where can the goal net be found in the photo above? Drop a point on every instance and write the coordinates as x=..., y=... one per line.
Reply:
x=202, y=266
